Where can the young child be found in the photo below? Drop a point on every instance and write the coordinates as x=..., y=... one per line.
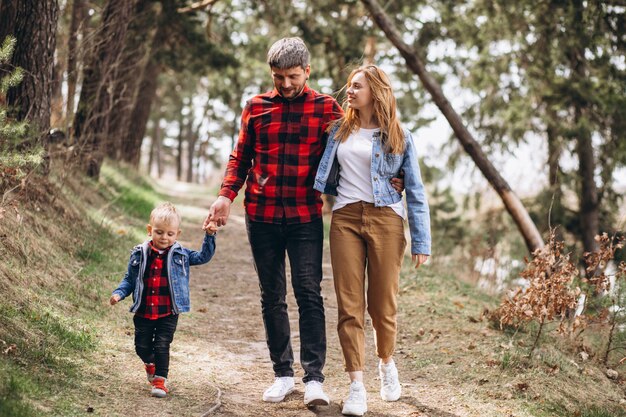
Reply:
x=158, y=278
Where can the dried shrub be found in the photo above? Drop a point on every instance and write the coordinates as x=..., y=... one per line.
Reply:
x=607, y=286
x=549, y=295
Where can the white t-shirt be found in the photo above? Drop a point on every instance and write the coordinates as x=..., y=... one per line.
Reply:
x=355, y=180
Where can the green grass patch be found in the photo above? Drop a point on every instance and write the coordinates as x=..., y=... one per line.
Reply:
x=132, y=194
x=51, y=306
x=14, y=387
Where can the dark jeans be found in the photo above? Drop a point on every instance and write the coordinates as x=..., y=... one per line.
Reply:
x=303, y=244
x=152, y=341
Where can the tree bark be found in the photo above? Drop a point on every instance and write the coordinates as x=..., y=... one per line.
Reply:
x=179, y=153
x=33, y=24
x=91, y=119
x=511, y=202
x=131, y=146
x=588, y=197
x=72, y=59
x=158, y=148
x=126, y=84
x=191, y=148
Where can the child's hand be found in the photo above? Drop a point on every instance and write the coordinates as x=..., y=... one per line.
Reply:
x=211, y=228
x=114, y=299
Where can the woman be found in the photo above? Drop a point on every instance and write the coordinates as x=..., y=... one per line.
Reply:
x=365, y=149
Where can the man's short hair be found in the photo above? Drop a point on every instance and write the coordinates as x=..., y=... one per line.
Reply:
x=288, y=53
x=165, y=212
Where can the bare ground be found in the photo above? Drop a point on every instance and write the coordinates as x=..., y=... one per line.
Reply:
x=220, y=364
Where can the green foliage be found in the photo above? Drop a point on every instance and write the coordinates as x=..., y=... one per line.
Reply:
x=13, y=387
x=15, y=162
x=13, y=78
x=132, y=194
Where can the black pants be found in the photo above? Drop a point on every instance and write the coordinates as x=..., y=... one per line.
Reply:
x=303, y=244
x=152, y=341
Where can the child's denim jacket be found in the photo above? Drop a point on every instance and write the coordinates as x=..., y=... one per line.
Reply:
x=384, y=167
x=178, y=261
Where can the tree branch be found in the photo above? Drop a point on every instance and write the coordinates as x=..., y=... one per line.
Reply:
x=416, y=63
x=197, y=6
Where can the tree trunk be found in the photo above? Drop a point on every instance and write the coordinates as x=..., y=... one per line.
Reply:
x=134, y=59
x=179, y=153
x=511, y=202
x=33, y=23
x=554, y=154
x=56, y=100
x=91, y=119
x=151, y=155
x=72, y=58
x=131, y=146
x=589, y=207
x=588, y=198
x=191, y=148
x=155, y=148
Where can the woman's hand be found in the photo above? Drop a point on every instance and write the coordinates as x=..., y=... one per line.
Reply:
x=114, y=299
x=419, y=259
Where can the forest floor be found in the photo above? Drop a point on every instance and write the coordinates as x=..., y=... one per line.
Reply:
x=451, y=362
x=65, y=352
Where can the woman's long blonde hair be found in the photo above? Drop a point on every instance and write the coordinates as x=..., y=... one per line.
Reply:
x=384, y=110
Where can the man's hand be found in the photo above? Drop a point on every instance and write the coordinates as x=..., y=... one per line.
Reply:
x=114, y=299
x=218, y=212
x=418, y=259
x=398, y=182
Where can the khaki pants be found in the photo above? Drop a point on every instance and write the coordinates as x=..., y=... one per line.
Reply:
x=364, y=237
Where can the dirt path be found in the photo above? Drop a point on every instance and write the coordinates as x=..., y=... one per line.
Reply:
x=219, y=349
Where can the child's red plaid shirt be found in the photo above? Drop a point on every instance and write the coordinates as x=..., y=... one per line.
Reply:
x=156, y=301
x=279, y=148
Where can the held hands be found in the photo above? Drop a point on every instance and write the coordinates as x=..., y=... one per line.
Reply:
x=418, y=259
x=211, y=227
x=218, y=213
x=114, y=299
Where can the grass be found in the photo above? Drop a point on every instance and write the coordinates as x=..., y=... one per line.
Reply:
x=445, y=337
x=70, y=251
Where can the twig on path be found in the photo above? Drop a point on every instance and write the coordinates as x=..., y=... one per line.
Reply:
x=218, y=403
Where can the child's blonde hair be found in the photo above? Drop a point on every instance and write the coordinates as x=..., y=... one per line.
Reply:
x=165, y=212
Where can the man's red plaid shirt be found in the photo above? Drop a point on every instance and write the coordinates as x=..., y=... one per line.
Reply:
x=279, y=148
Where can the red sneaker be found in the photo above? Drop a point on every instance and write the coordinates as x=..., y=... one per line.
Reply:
x=158, y=387
x=150, y=368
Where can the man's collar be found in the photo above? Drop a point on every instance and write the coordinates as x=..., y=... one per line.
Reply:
x=305, y=90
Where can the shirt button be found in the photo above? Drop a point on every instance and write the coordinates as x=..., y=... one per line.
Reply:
x=375, y=178
x=377, y=155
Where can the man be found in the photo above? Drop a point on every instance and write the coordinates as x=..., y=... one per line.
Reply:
x=279, y=147
x=281, y=141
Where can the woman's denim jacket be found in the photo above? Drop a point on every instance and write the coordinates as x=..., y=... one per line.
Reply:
x=178, y=261
x=384, y=167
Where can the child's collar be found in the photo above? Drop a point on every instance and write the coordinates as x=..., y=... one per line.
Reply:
x=160, y=251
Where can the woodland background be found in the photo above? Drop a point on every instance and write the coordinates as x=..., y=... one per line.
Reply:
x=518, y=109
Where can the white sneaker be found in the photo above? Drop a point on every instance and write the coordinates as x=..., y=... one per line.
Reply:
x=314, y=394
x=280, y=388
x=390, y=389
x=356, y=403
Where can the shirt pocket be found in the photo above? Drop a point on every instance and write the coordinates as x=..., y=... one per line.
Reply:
x=311, y=129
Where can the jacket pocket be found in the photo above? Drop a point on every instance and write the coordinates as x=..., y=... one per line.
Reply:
x=390, y=164
x=178, y=266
